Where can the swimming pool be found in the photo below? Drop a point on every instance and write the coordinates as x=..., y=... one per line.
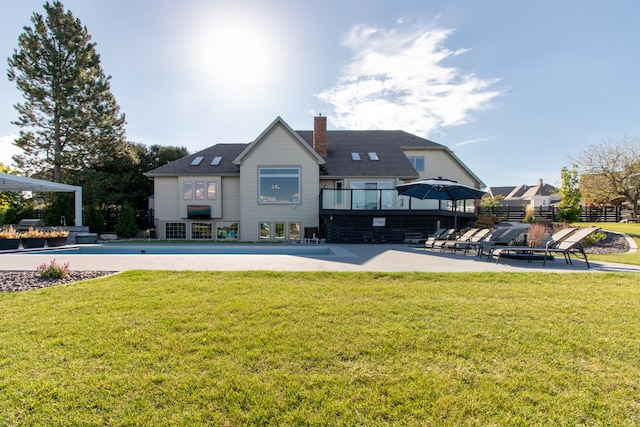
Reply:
x=180, y=249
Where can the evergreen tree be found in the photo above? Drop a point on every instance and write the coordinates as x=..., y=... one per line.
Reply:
x=69, y=119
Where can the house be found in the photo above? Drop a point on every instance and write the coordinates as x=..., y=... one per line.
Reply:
x=538, y=196
x=287, y=185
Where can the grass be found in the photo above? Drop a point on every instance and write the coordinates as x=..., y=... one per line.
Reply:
x=320, y=349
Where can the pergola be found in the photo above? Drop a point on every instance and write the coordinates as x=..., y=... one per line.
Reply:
x=18, y=183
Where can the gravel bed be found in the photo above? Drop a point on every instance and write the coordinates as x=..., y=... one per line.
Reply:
x=14, y=281
x=614, y=244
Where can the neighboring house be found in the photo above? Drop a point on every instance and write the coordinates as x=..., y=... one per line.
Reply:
x=287, y=185
x=539, y=196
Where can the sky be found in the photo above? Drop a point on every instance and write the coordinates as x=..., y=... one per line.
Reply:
x=513, y=88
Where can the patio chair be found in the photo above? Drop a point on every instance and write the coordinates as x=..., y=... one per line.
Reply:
x=499, y=238
x=428, y=244
x=461, y=238
x=566, y=241
x=572, y=245
x=553, y=240
x=417, y=239
x=473, y=242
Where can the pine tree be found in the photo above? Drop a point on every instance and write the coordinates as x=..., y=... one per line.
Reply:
x=69, y=119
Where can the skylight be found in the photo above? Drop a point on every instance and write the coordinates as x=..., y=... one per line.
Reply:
x=355, y=156
x=216, y=161
x=373, y=156
x=196, y=161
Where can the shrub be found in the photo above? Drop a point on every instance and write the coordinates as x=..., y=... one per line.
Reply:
x=537, y=233
x=53, y=270
x=487, y=220
x=595, y=238
x=126, y=226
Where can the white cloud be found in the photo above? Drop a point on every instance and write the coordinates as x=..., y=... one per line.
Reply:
x=397, y=80
x=7, y=149
x=471, y=141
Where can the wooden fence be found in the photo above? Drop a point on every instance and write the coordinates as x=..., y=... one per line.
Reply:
x=587, y=213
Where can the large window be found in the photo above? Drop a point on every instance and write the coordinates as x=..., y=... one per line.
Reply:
x=279, y=185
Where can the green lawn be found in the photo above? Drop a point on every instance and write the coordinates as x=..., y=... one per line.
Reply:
x=326, y=349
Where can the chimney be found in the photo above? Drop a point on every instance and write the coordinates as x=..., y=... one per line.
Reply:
x=320, y=136
x=540, y=182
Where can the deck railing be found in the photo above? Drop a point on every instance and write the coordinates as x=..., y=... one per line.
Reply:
x=386, y=200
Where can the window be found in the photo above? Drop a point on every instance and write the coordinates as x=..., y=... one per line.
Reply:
x=201, y=231
x=355, y=157
x=197, y=161
x=227, y=230
x=373, y=156
x=187, y=190
x=211, y=190
x=175, y=230
x=216, y=161
x=200, y=190
x=279, y=185
x=417, y=162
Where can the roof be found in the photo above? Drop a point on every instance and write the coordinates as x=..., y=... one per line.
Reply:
x=10, y=182
x=524, y=192
x=227, y=152
x=386, y=144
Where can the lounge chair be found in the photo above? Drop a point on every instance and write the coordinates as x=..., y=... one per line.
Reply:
x=433, y=239
x=499, y=238
x=566, y=242
x=473, y=242
x=461, y=238
x=555, y=238
x=417, y=239
x=572, y=245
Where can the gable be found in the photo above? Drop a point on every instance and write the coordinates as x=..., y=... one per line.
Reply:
x=278, y=125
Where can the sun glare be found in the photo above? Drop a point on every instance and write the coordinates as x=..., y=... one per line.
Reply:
x=237, y=54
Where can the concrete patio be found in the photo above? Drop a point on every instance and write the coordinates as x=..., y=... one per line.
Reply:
x=362, y=257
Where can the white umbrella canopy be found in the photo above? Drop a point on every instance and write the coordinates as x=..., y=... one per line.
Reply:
x=440, y=189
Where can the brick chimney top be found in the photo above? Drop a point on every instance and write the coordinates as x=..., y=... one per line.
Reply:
x=320, y=135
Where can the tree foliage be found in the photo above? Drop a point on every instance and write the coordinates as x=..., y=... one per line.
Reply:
x=570, y=194
x=69, y=120
x=611, y=172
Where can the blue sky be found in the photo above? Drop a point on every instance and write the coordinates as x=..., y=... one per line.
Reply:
x=514, y=88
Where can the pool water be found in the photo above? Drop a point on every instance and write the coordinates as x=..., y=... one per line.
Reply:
x=180, y=249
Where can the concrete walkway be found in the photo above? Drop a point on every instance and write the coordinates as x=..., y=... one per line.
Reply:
x=388, y=258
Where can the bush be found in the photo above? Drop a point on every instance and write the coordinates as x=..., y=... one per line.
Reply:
x=126, y=226
x=487, y=220
x=95, y=221
x=595, y=238
x=53, y=270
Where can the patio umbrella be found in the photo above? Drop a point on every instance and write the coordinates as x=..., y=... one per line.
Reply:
x=440, y=189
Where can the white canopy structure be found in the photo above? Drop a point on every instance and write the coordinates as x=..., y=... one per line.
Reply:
x=18, y=183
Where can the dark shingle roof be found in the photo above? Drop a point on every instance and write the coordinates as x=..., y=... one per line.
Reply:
x=340, y=144
x=386, y=144
x=183, y=166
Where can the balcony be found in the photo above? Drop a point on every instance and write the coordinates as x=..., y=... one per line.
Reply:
x=367, y=201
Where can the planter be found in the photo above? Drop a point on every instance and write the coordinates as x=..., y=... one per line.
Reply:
x=33, y=242
x=56, y=241
x=9, y=244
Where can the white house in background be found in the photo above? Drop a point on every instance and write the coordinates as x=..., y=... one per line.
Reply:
x=287, y=184
x=539, y=196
